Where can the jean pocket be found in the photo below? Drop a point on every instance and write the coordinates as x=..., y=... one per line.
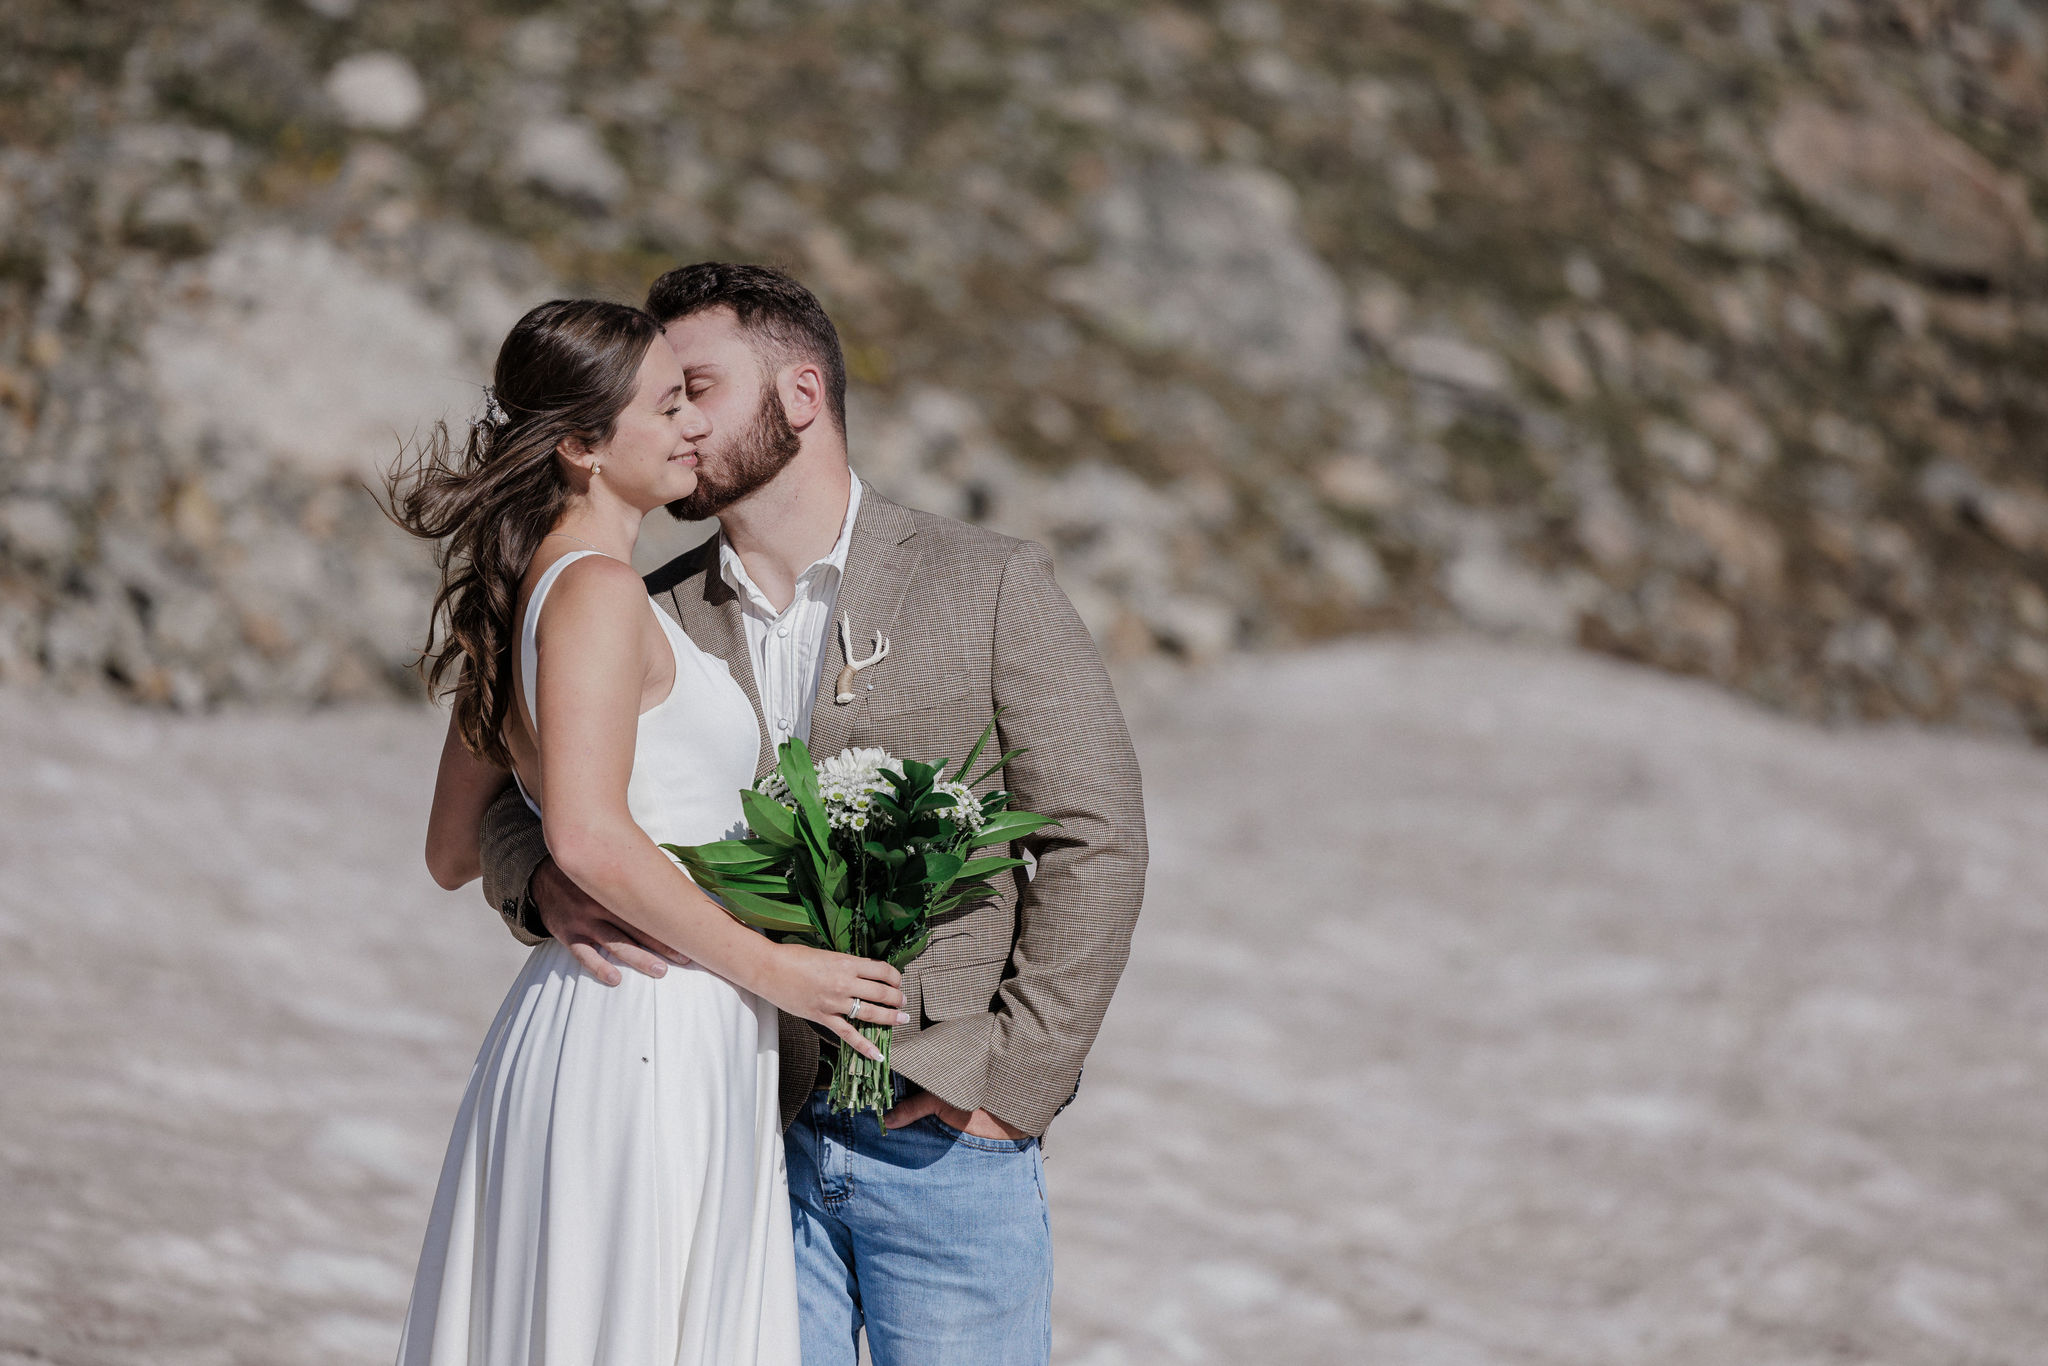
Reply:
x=976, y=1141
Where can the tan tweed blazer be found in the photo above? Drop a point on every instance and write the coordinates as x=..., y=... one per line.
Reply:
x=1007, y=998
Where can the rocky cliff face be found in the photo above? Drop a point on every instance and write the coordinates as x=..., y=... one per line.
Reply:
x=1706, y=333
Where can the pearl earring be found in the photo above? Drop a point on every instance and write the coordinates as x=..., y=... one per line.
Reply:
x=596, y=468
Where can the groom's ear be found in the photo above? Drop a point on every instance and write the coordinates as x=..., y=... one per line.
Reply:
x=803, y=393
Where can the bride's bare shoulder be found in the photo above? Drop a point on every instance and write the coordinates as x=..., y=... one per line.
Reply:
x=595, y=591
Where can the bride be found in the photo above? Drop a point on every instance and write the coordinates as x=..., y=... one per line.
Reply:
x=614, y=1192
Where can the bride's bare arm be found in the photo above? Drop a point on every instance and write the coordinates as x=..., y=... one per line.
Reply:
x=463, y=789
x=593, y=639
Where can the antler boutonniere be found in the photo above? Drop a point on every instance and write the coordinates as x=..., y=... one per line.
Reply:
x=843, y=688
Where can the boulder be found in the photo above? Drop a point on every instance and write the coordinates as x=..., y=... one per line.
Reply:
x=1454, y=363
x=566, y=157
x=1749, y=554
x=1901, y=182
x=284, y=349
x=378, y=91
x=1209, y=262
x=1495, y=590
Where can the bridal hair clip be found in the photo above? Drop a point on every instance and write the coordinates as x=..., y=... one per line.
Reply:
x=842, y=689
x=494, y=411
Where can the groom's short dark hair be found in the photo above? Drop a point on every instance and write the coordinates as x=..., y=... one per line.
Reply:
x=769, y=304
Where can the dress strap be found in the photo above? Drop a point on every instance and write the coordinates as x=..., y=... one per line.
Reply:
x=529, y=629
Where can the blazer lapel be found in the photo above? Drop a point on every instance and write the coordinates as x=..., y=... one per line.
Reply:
x=709, y=612
x=879, y=562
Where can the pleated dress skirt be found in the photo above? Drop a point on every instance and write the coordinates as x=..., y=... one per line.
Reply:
x=614, y=1192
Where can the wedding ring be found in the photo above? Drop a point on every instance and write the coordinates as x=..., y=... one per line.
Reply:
x=853, y=1011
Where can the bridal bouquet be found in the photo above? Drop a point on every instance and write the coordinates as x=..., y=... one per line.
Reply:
x=858, y=854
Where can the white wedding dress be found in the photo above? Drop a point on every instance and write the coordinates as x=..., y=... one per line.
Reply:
x=614, y=1193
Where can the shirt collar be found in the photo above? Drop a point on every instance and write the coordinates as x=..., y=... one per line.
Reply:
x=735, y=573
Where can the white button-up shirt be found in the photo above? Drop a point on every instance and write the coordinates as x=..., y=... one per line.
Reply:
x=788, y=647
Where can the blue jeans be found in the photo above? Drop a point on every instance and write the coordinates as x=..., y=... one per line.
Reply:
x=938, y=1242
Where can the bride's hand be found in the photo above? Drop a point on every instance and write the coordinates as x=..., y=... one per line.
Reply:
x=823, y=987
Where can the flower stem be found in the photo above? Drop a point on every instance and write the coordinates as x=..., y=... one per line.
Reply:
x=860, y=1083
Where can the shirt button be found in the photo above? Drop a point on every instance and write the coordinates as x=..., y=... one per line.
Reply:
x=782, y=723
x=782, y=630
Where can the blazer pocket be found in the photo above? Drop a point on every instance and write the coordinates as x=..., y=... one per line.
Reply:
x=960, y=989
x=901, y=696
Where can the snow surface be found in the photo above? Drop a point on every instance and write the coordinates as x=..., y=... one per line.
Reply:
x=1490, y=1005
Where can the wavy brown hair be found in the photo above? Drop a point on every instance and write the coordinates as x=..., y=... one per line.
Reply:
x=565, y=371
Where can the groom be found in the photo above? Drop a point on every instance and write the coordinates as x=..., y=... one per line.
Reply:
x=934, y=1236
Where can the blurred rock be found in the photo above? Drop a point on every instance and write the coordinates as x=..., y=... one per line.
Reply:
x=1496, y=591
x=378, y=91
x=567, y=157
x=1605, y=526
x=1208, y=262
x=1452, y=362
x=1732, y=420
x=2017, y=516
x=1846, y=440
x=1680, y=448
x=1561, y=360
x=285, y=349
x=1899, y=180
x=543, y=45
x=36, y=531
x=1358, y=483
x=1381, y=310
x=1749, y=555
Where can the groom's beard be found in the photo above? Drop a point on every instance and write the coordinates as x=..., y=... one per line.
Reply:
x=745, y=462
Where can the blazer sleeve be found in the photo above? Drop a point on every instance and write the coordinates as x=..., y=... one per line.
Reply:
x=512, y=847
x=1076, y=914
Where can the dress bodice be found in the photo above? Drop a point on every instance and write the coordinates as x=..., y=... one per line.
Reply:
x=693, y=751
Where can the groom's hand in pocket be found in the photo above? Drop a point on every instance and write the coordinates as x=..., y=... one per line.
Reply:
x=980, y=1123
x=590, y=932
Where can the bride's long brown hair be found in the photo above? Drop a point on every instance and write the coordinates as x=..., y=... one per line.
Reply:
x=565, y=372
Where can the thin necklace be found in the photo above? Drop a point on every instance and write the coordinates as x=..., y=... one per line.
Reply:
x=580, y=541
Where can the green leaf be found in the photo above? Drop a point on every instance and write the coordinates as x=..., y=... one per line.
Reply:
x=1010, y=825
x=765, y=914
x=888, y=858
x=982, y=869
x=769, y=819
x=940, y=869
x=727, y=856
x=799, y=775
x=812, y=825
x=793, y=762
x=997, y=767
x=979, y=745
x=766, y=884
x=820, y=879
x=838, y=922
x=909, y=951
